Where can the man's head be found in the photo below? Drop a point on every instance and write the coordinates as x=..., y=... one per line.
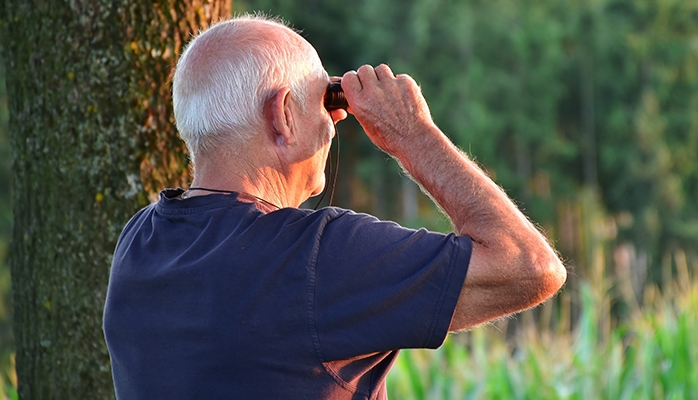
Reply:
x=227, y=74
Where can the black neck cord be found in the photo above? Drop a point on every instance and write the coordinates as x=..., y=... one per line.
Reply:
x=269, y=203
x=333, y=175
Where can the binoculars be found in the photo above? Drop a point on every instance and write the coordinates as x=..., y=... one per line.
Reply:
x=334, y=97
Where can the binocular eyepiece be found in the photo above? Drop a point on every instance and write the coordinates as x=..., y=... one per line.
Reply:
x=334, y=97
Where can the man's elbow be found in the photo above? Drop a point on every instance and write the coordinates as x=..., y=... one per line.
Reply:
x=547, y=277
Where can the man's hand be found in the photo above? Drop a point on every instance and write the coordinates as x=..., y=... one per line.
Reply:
x=391, y=109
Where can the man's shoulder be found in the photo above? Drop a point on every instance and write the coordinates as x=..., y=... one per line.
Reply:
x=331, y=215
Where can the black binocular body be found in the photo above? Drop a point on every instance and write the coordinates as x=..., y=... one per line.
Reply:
x=334, y=97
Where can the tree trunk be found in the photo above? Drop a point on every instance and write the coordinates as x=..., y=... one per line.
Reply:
x=93, y=138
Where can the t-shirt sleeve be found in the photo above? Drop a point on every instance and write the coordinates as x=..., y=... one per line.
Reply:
x=381, y=287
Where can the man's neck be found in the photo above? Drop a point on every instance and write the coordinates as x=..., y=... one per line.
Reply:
x=264, y=183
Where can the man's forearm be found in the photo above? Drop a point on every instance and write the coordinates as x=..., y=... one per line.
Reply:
x=512, y=265
x=475, y=204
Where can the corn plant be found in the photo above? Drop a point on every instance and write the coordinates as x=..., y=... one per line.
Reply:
x=651, y=356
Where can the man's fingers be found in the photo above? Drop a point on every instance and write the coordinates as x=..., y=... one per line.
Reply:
x=351, y=82
x=384, y=72
x=355, y=81
x=367, y=75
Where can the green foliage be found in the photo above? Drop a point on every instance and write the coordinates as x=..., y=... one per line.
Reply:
x=651, y=356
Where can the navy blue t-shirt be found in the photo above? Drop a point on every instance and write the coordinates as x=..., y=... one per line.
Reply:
x=210, y=298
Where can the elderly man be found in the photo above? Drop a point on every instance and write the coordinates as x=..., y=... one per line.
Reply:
x=228, y=290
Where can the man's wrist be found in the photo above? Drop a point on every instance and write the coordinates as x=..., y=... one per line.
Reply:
x=417, y=142
x=426, y=147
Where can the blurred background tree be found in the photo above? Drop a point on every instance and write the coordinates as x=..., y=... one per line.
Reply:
x=92, y=138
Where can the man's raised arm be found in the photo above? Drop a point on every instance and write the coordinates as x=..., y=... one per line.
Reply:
x=512, y=265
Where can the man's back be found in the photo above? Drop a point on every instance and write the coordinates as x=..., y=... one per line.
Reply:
x=211, y=298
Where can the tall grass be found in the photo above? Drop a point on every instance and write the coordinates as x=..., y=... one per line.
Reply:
x=653, y=355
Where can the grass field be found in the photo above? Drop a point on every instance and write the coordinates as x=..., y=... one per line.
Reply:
x=653, y=355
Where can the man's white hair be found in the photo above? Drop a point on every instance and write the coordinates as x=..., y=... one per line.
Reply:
x=227, y=73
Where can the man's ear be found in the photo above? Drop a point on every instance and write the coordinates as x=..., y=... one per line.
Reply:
x=281, y=117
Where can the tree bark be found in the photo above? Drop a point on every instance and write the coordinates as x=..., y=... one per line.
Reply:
x=93, y=139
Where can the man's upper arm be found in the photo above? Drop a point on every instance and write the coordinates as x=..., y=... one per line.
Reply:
x=382, y=287
x=498, y=285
